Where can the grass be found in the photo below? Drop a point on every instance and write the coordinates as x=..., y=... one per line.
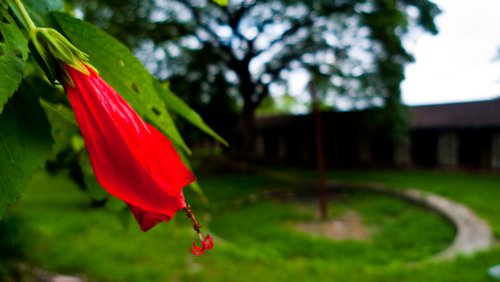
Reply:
x=253, y=236
x=476, y=190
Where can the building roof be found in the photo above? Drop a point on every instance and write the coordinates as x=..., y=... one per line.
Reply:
x=465, y=115
x=479, y=114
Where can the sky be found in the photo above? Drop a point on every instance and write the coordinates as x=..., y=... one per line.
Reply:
x=459, y=63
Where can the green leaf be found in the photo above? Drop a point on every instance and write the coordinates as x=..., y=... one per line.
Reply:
x=13, y=55
x=25, y=144
x=63, y=126
x=59, y=110
x=120, y=68
x=94, y=188
x=175, y=104
x=221, y=2
x=61, y=118
x=195, y=186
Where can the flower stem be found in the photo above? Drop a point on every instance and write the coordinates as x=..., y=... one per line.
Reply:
x=26, y=17
x=190, y=215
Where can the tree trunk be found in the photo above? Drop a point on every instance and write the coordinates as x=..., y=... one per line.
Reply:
x=248, y=88
x=247, y=131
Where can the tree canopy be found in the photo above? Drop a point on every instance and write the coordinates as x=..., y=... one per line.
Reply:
x=240, y=51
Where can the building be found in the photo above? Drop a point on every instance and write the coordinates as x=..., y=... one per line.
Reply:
x=465, y=135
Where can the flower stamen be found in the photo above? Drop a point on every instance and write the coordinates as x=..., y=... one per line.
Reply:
x=206, y=243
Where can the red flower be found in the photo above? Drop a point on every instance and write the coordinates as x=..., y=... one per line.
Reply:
x=131, y=159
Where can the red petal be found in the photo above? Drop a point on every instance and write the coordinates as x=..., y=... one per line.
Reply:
x=147, y=219
x=131, y=159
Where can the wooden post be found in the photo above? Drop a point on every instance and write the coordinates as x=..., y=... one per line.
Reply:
x=323, y=209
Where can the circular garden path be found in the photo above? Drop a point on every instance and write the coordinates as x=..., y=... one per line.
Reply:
x=472, y=233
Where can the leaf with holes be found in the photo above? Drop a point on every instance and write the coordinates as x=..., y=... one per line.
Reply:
x=175, y=104
x=25, y=144
x=13, y=55
x=122, y=70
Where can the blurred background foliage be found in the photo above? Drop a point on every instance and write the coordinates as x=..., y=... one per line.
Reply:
x=225, y=61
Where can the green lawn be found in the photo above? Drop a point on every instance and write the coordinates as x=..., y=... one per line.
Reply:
x=255, y=238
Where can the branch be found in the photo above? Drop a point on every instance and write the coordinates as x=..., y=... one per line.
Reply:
x=235, y=17
x=233, y=21
x=288, y=33
x=197, y=17
x=306, y=22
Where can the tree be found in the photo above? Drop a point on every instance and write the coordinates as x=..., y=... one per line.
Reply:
x=250, y=45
